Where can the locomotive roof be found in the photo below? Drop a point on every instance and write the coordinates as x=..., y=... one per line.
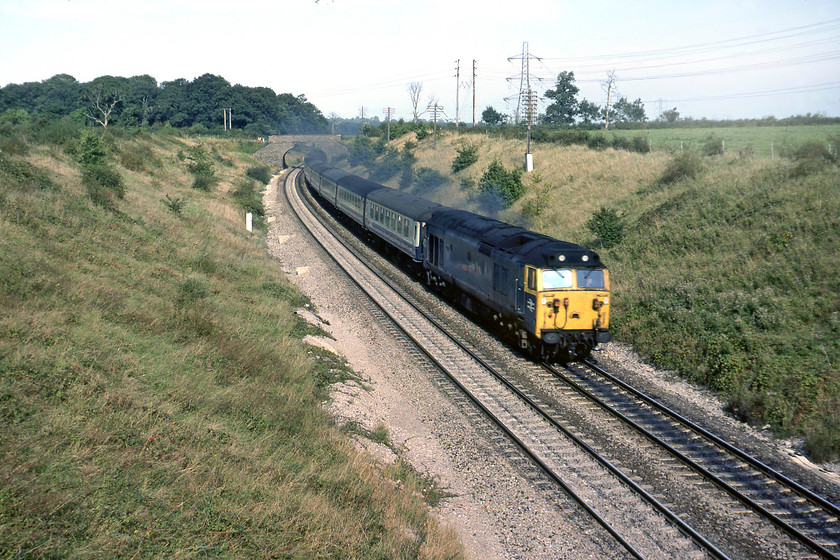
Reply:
x=409, y=205
x=519, y=244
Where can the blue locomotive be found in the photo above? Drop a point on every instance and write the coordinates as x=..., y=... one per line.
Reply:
x=550, y=296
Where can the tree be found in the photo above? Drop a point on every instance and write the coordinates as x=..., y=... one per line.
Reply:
x=103, y=95
x=589, y=112
x=624, y=111
x=492, y=117
x=671, y=115
x=414, y=90
x=565, y=106
x=608, y=86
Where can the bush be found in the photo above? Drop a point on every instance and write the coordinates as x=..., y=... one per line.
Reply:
x=812, y=157
x=428, y=179
x=90, y=149
x=175, y=205
x=248, y=198
x=103, y=185
x=201, y=166
x=607, y=227
x=505, y=184
x=261, y=173
x=24, y=175
x=467, y=156
x=391, y=164
x=363, y=152
x=713, y=145
x=684, y=165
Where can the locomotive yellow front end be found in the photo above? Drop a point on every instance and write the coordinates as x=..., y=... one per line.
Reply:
x=569, y=309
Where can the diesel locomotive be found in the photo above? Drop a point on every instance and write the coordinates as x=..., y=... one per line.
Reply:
x=551, y=297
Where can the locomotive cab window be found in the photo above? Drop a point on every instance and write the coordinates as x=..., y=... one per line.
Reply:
x=591, y=279
x=556, y=279
x=532, y=279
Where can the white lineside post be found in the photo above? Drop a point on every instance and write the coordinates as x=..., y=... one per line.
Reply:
x=249, y=221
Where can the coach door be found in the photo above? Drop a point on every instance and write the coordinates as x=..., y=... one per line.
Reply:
x=436, y=251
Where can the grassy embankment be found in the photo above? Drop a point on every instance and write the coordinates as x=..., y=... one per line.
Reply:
x=728, y=271
x=156, y=398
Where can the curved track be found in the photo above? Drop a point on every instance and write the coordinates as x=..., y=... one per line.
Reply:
x=642, y=525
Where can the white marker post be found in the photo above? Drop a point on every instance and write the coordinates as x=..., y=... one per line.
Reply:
x=249, y=221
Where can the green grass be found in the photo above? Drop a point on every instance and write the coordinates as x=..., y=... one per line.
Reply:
x=156, y=398
x=727, y=269
x=760, y=141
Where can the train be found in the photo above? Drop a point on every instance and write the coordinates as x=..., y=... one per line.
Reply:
x=550, y=298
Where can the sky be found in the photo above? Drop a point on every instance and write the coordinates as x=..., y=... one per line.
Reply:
x=715, y=59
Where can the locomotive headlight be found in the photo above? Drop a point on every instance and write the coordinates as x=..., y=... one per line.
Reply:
x=585, y=258
x=561, y=258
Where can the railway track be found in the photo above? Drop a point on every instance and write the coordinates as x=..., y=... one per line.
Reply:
x=803, y=515
x=637, y=521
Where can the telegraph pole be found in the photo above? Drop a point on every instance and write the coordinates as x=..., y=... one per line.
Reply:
x=388, y=111
x=530, y=117
x=436, y=110
x=457, y=91
x=473, y=92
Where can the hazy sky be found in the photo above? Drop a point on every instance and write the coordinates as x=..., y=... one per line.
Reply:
x=709, y=58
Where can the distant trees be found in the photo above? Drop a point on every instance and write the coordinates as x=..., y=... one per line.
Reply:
x=141, y=101
x=492, y=117
x=566, y=110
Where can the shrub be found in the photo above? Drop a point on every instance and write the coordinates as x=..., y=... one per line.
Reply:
x=607, y=227
x=24, y=175
x=248, y=198
x=103, y=184
x=363, y=152
x=684, y=165
x=713, y=145
x=428, y=179
x=811, y=158
x=467, y=155
x=175, y=205
x=640, y=144
x=90, y=148
x=391, y=164
x=503, y=183
x=260, y=173
x=535, y=205
x=201, y=166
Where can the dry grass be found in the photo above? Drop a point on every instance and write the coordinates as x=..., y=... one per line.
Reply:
x=156, y=399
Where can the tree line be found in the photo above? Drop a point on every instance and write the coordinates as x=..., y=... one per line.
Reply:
x=141, y=101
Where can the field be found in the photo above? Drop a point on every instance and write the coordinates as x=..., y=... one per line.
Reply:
x=156, y=397
x=726, y=266
x=759, y=141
